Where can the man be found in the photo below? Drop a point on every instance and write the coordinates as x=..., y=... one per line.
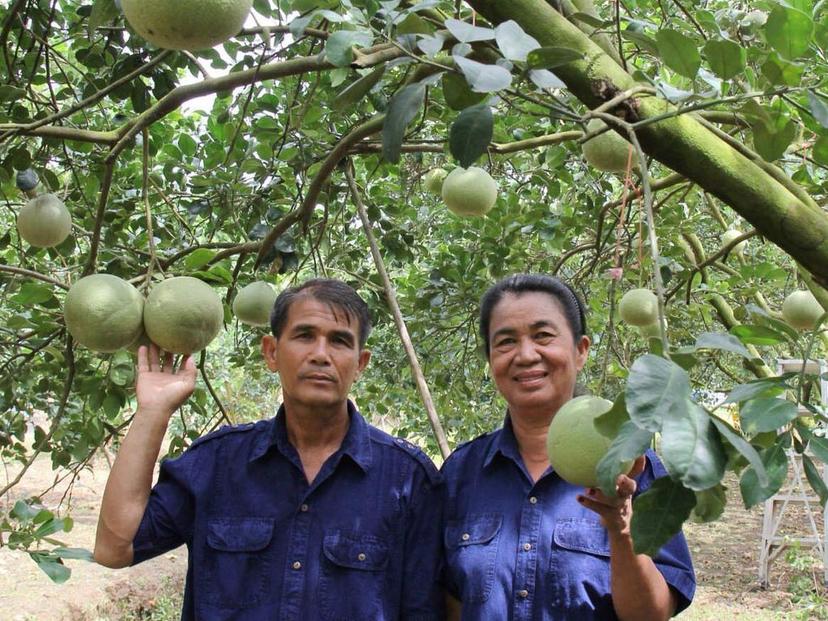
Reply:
x=314, y=514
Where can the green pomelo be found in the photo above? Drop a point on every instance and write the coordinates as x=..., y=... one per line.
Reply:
x=573, y=443
x=182, y=315
x=433, y=180
x=801, y=310
x=650, y=331
x=608, y=151
x=186, y=24
x=103, y=312
x=731, y=234
x=44, y=221
x=254, y=302
x=469, y=191
x=639, y=307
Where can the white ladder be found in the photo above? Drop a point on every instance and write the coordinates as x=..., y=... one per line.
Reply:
x=796, y=491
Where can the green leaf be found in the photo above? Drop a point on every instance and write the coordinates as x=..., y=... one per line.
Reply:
x=551, y=57
x=644, y=41
x=766, y=414
x=484, y=78
x=54, y=568
x=814, y=477
x=631, y=442
x=820, y=150
x=414, y=24
x=780, y=71
x=722, y=342
x=710, y=504
x=187, y=145
x=757, y=335
x=771, y=142
x=744, y=448
x=659, y=513
x=33, y=293
x=691, y=449
x=775, y=462
x=23, y=512
x=103, y=12
x=818, y=445
x=610, y=423
x=471, y=134
x=339, y=46
x=467, y=33
x=513, y=42
x=78, y=554
x=764, y=387
x=818, y=108
x=656, y=388
x=402, y=109
x=789, y=31
x=458, y=93
x=726, y=58
x=678, y=52
x=354, y=92
x=198, y=259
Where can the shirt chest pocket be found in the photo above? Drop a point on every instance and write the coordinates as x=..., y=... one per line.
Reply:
x=471, y=554
x=353, y=577
x=236, y=565
x=580, y=565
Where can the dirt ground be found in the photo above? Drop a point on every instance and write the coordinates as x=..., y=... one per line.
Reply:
x=725, y=554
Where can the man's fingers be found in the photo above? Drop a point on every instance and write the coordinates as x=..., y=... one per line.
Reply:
x=143, y=359
x=169, y=360
x=154, y=358
x=638, y=467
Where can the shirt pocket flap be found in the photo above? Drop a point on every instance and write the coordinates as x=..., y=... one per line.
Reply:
x=239, y=534
x=478, y=529
x=356, y=550
x=582, y=535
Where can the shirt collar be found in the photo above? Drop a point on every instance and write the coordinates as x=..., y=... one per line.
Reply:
x=504, y=444
x=356, y=444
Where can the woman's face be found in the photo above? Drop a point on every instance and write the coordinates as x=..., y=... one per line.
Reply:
x=533, y=355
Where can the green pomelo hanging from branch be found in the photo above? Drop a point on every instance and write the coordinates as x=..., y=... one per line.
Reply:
x=44, y=221
x=253, y=303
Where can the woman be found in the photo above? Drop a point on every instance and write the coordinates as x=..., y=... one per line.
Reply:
x=521, y=543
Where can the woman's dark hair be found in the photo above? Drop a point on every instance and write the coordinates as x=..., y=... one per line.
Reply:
x=335, y=293
x=516, y=284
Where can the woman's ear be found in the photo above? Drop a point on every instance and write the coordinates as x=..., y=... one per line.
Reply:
x=582, y=349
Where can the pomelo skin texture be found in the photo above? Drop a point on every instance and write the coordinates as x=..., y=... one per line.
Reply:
x=639, y=307
x=608, y=151
x=254, y=302
x=44, y=221
x=186, y=24
x=433, y=180
x=104, y=312
x=469, y=191
x=573, y=443
x=802, y=310
x=182, y=315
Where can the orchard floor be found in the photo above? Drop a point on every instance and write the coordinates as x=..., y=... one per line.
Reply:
x=725, y=554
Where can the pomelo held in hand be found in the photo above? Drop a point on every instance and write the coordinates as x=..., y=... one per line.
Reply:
x=182, y=315
x=608, y=151
x=801, y=310
x=254, y=302
x=44, y=221
x=573, y=443
x=433, y=180
x=639, y=307
x=104, y=312
x=186, y=24
x=469, y=191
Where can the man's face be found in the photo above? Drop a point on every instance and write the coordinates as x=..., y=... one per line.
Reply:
x=317, y=355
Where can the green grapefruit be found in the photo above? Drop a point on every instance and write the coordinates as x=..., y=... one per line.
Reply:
x=608, y=151
x=574, y=445
x=639, y=307
x=182, y=315
x=254, y=302
x=469, y=191
x=44, y=221
x=186, y=24
x=103, y=312
x=801, y=310
x=433, y=180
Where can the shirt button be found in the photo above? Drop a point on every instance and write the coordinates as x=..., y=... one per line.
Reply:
x=303, y=508
x=523, y=593
x=361, y=556
x=297, y=565
x=527, y=546
x=465, y=537
x=533, y=500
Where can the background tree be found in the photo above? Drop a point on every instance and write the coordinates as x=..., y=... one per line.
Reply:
x=253, y=160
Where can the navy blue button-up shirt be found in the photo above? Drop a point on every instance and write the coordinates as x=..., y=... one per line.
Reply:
x=361, y=542
x=523, y=551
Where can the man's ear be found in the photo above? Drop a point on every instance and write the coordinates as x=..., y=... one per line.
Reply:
x=364, y=357
x=269, y=352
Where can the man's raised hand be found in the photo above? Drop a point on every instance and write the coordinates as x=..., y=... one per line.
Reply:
x=160, y=386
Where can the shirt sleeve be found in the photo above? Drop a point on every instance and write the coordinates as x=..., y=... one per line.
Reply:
x=673, y=559
x=422, y=597
x=168, y=518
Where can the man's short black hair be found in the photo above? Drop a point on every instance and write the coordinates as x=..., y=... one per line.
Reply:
x=335, y=293
x=516, y=284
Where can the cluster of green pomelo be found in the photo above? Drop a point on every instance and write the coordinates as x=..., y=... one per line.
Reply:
x=465, y=191
x=105, y=313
